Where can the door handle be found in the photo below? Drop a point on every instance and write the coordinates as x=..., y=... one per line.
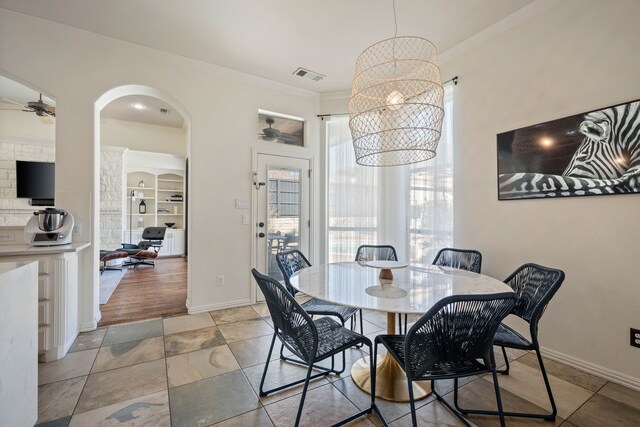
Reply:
x=261, y=235
x=261, y=224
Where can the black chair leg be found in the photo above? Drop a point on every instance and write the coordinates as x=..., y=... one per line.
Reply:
x=546, y=417
x=304, y=394
x=455, y=394
x=498, y=398
x=266, y=366
x=373, y=407
x=504, y=371
x=372, y=363
x=400, y=331
x=361, y=326
x=373, y=358
x=554, y=410
x=372, y=367
x=412, y=402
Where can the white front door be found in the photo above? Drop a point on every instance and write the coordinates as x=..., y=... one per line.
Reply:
x=282, y=210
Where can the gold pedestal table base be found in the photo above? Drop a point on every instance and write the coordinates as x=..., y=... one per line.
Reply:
x=391, y=381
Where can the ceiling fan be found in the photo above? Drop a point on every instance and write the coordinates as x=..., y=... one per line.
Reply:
x=275, y=135
x=43, y=110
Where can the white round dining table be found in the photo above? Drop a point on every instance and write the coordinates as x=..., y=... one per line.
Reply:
x=412, y=290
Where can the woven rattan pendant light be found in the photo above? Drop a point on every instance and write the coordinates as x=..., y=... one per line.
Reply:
x=396, y=105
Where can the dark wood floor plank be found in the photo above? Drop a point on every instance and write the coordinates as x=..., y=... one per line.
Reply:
x=148, y=292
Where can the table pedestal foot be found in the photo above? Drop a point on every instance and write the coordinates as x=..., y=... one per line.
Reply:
x=391, y=381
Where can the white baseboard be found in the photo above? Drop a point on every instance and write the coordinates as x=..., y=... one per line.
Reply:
x=592, y=368
x=213, y=307
x=88, y=326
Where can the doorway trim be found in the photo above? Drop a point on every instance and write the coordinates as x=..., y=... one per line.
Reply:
x=102, y=101
x=255, y=152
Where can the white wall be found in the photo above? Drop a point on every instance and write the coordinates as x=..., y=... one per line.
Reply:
x=19, y=125
x=574, y=57
x=143, y=137
x=82, y=66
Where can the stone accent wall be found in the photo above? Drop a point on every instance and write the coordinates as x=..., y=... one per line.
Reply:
x=111, y=198
x=14, y=211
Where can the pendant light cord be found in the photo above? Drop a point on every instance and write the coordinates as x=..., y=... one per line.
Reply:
x=395, y=35
x=395, y=20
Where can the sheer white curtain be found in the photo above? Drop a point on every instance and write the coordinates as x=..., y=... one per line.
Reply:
x=409, y=207
x=352, y=196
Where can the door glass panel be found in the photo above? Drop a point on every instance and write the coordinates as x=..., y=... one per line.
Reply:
x=283, y=214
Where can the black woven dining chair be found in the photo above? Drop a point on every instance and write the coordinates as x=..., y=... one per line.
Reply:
x=452, y=340
x=464, y=259
x=292, y=261
x=310, y=340
x=376, y=253
x=534, y=286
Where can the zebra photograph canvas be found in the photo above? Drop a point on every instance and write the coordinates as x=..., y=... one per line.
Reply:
x=589, y=154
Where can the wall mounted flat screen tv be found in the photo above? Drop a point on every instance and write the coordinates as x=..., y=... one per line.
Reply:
x=35, y=180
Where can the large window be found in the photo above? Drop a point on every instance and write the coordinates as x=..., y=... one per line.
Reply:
x=430, y=209
x=410, y=207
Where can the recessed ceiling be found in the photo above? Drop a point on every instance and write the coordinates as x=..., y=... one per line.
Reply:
x=125, y=109
x=271, y=38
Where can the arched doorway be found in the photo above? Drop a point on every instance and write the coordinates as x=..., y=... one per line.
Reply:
x=155, y=179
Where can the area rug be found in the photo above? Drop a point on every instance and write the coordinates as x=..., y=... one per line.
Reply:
x=109, y=280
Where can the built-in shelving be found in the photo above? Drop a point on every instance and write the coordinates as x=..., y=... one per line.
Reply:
x=161, y=183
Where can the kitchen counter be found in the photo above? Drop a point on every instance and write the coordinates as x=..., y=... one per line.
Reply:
x=57, y=293
x=18, y=250
x=19, y=338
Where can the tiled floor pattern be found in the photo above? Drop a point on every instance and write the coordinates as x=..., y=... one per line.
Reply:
x=205, y=369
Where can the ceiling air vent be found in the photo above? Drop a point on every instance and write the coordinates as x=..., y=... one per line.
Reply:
x=308, y=74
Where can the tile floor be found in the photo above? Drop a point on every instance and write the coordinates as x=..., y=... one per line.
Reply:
x=205, y=369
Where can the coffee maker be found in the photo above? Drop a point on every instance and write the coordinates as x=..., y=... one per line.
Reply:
x=49, y=227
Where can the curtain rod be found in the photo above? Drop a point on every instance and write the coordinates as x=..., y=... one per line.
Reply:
x=453, y=80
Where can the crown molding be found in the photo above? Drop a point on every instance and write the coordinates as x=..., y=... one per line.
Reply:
x=160, y=55
x=505, y=24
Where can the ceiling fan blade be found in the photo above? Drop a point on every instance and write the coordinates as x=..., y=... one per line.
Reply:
x=10, y=109
x=14, y=102
x=289, y=138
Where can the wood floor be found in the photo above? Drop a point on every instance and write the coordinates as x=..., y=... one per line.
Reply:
x=147, y=292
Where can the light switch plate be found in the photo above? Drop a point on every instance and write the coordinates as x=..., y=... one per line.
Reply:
x=242, y=204
x=245, y=219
